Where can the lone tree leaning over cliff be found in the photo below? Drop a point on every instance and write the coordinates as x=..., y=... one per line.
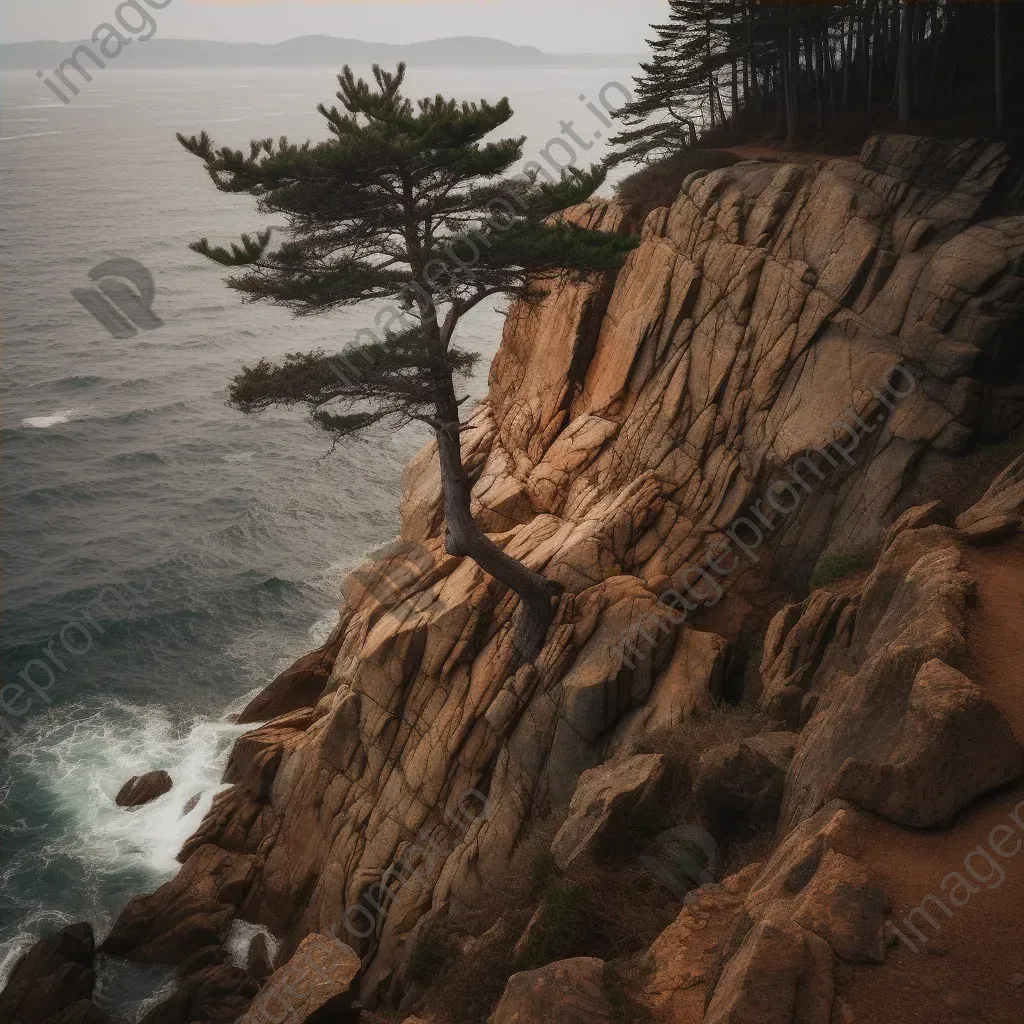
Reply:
x=405, y=202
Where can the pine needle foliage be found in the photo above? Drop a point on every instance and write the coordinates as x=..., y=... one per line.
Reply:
x=413, y=202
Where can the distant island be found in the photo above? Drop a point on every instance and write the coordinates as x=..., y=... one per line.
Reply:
x=311, y=51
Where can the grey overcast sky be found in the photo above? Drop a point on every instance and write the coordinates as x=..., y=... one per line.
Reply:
x=558, y=26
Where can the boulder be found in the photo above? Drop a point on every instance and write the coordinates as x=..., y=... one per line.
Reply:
x=842, y=906
x=898, y=729
x=55, y=977
x=1000, y=509
x=194, y=909
x=316, y=986
x=217, y=994
x=566, y=992
x=954, y=746
x=259, y=962
x=810, y=903
x=738, y=786
x=608, y=799
x=781, y=975
x=682, y=961
x=813, y=880
x=141, y=789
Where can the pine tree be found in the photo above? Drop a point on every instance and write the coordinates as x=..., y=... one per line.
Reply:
x=677, y=89
x=406, y=202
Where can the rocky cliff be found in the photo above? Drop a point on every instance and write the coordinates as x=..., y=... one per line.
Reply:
x=792, y=356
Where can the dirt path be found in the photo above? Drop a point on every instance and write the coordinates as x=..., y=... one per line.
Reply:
x=972, y=967
x=786, y=156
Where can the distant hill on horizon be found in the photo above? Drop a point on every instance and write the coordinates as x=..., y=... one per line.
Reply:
x=308, y=51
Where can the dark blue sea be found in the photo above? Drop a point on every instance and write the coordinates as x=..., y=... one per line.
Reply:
x=164, y=556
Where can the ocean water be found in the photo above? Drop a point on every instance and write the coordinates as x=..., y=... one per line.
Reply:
x=165, y=556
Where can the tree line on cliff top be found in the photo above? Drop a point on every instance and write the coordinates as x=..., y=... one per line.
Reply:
x=415, y=202
x=728, y=69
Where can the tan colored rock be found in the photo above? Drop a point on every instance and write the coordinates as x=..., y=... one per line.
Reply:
x=911, y=610
x=316, y=984
x=991, y=529
x=954, y=746
x=1001, y=503
x=630, y=420
x=841, y=905
x=607, y=800
x=569, y=991
x=686, y=686
x=781, y=975
x=682, y=961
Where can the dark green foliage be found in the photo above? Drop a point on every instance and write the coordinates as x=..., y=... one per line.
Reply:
x=432, y=954
x=404, y=201
x=832, y=568
x=729, y=69
x=561, y=927
x=399, y=377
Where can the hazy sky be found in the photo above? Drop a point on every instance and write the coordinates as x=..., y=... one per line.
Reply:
x=558, y=26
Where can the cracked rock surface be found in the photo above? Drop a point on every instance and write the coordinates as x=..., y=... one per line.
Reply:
x=630, y=421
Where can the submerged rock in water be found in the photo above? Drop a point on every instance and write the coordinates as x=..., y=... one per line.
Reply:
x=143, y=789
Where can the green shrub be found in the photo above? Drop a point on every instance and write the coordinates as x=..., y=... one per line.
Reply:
x=560, y=928
x=658, y=184
x=831, y=568
x=433, y=953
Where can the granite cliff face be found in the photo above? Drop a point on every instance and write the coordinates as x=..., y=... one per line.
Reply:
x=631, y=423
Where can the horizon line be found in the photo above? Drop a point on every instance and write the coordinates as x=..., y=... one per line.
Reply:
x=349, y=39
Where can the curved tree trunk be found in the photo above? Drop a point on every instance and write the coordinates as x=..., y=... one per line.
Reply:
x=464, y=538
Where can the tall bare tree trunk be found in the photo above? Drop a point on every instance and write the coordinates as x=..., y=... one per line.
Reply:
x=904, y=89
x=848, y=59
x=869, y=55
x=1000, y=113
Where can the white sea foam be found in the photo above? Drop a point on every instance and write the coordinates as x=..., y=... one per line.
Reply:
x=86, y=760
x=240, y=938
x=51, y=419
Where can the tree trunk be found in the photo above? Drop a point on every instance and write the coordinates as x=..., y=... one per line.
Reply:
x=869, y=54
x=1000, y=113
x=848, y=59
x=463, y=538
x=818, y=59
x=905, y=105
x=734, y=99
x=787, y=88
